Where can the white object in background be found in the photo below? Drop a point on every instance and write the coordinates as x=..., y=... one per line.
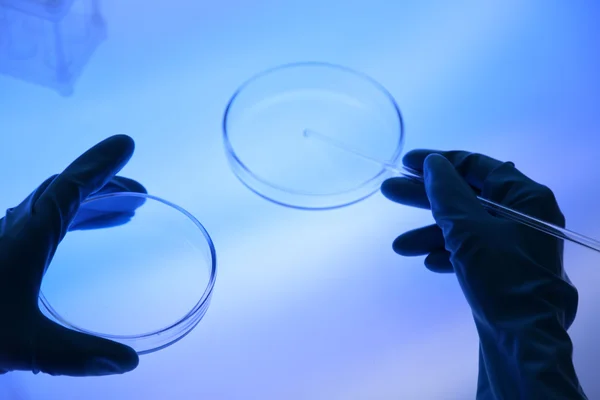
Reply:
x=48, y=43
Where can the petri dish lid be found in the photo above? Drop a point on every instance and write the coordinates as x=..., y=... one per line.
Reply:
x=134, y=268
x=263, y=136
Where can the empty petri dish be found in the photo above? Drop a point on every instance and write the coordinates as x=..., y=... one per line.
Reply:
x=265, y=122
x=133, y=268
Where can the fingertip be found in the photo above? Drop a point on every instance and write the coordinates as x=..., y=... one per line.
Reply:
x=131, y=359
x=120, y=147
x=125, y=141
x=389, y=187
x=119, y=360
x=415, y=158
x=434, y=158
x=106, y=356
x=405, y=191
x=433, y=163
x=448, y=192
x=439, y=262
x=61, y=351
x=399, y=246
x=404, y=245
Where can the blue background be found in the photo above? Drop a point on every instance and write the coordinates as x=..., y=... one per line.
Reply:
x=316, y=305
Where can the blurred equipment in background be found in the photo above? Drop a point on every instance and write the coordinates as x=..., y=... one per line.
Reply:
x=49, y=42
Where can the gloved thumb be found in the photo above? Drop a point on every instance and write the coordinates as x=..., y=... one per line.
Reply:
x=454, y=205
x=60, y=351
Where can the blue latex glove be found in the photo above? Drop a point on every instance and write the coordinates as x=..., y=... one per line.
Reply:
x=29, y=236
x=512, y=276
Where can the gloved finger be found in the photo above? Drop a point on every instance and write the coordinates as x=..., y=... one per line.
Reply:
x=511, y=187
x=111, y=211
x=405, y=191
x=454, y=206
x=89, y=173
x=419, y=241
x=60, y=351
x=120, y=184
x=33, y=197
x=439, y=262
x=498, y=181
x=17, y=217
x=473, y=167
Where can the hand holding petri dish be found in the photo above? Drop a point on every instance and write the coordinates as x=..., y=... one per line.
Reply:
x=134, y=268
x=321, y=136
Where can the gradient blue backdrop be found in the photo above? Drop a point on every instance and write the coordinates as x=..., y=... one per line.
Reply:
x=316, y=305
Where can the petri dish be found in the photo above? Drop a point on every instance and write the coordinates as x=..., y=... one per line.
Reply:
x=134, y=268
x=265, y=121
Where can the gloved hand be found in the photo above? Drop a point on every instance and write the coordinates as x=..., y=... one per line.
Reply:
x=29, y=236
x=511, y=275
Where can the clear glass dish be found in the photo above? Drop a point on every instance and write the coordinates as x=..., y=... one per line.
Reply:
x=144, y=278
x=263, y=136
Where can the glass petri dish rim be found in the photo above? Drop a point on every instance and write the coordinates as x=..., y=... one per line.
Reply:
x=175, y=331
x=233, y=156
